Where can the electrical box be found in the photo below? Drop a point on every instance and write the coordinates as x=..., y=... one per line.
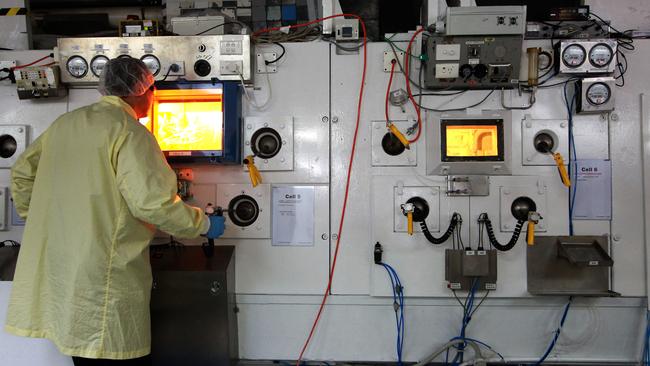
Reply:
x=39, y=82
x=480, y=62
x=587, y=56
x=138, y=28
x=459, y=144
x=482, y=20
x=596, y=95
x=463, y=267
x=13, y=142
x=83, y=59
x=203, y=25
x=346, y=29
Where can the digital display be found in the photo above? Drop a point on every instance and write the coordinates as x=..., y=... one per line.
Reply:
x=467, y=140
x=184, y=121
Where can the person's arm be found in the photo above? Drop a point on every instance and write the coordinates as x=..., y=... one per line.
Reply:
x=23, y=175
x=149, y=187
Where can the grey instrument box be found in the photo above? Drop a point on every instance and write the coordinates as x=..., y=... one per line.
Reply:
x=462, y=267
x=480, y=20
x=193, y=310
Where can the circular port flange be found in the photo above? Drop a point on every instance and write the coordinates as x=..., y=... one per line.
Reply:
x=521, y=206
x=544, y=143
x=8, y=146
x=392, y=145
x=421, y=211
x=243, y=210
x=266, y=143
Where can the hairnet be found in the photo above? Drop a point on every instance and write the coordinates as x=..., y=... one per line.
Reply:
x=125, y=76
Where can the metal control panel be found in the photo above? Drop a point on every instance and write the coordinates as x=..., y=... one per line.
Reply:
x=472, y=62
x=480, y=20
x=197, y=58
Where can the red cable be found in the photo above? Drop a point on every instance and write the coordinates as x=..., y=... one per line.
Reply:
x=349, y=173
x=390, y=81
x=407, y=59
x=31, y=63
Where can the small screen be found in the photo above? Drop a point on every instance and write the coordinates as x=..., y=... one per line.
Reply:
x=467, y=140
x=188, y=120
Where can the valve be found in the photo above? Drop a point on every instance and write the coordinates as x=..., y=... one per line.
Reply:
x=533, y=219
x=253, y=172
x=416, y=209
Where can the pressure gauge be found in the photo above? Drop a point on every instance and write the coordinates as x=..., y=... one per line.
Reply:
x=598, y=94
x=152, y=62
x=600, y=55
x=97, y=65
x=574, y=55
x=77, y=66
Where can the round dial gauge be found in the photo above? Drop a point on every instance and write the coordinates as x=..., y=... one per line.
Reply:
x=77, y=66
x=97, y=65
x=152, y=62
x=600, y=55
x=598, y=94
x=574, y=55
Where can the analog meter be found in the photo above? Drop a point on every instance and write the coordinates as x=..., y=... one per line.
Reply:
x=598, y=94
x=152, y=62
x=600, y=55
x=574, y=55
x=97, y=65
x=77, y=66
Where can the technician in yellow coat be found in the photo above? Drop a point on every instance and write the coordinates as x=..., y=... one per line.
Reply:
x=94, y=187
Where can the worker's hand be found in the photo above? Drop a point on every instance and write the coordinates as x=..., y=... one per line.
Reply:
x=217, y=226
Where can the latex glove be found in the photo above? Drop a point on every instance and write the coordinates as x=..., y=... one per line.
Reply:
x=217, y=226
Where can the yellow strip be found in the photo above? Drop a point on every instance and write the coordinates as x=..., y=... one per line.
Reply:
x=13, y=11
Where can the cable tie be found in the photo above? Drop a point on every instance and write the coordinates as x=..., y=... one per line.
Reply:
x=285, y=29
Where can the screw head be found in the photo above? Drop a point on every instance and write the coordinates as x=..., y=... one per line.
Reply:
x=614, y=117
x=529, y=125
x=335, y=236
x=563, y=124
x=249, y=126
x=325, y=119
x=335, y=119
x=324, y=236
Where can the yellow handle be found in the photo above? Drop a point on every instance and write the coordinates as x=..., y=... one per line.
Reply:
x=560, y=166
x=530, y=235
x=409, y=217
x=253, y=173
x=400, y=136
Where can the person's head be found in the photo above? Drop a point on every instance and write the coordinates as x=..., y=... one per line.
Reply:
x=128, y=78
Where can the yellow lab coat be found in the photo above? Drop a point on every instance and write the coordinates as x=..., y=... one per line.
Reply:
x=93, y=187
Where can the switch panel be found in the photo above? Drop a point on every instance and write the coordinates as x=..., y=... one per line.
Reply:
x=231, y=47
x=448, y=52
x=230, y=67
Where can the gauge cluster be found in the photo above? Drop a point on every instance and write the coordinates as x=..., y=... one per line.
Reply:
x=596, y=95
x=198, y=58
x=587, y=56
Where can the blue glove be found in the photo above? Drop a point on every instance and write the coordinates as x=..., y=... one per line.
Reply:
x=217, y=225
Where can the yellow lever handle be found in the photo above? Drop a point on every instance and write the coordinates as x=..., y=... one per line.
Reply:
x=530, y=235
x=253, y=173
x=562, y=169
x=409, y=217
x=400, y=136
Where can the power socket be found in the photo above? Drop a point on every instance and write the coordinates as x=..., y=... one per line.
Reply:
x=179, y=72
x=446, y=71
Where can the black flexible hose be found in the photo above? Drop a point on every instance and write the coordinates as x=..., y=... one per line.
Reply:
x=493, y=240
x=450, y=230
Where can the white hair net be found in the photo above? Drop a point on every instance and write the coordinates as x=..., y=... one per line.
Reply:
x=125, y=76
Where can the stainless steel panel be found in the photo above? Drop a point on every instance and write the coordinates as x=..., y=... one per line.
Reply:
x=184, y=50
x=549, y=274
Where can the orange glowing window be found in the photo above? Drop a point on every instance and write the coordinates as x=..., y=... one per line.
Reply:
x=186, y=120
x=472, y=140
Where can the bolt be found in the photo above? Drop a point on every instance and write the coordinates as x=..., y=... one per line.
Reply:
x=603, y=116
x=282, y=160
x=324, y=236
x=325, y=119
x=258, y=195
x=266, y=161
x=506, y=226
x=284, y=142
x=249, y=127
x=410, y=159
x=506, y=191
x=563, y=124
x=529, y=159
x=529, y=125
x=616, y=237
x=282, y=126
x=335, y=236
x=377, y=126
x=20, y=129
x=614, y=117
x=248, y=143
x=266, y=125
x=335, y=119
x=258, y=228
x=375, y=160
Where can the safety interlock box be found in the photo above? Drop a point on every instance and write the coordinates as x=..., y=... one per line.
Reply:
x=463, y=267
